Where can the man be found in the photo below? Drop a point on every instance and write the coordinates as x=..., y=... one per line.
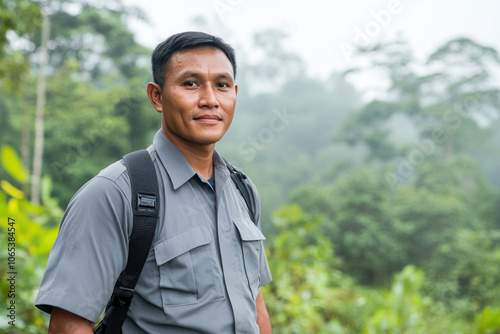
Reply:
x=207, y=262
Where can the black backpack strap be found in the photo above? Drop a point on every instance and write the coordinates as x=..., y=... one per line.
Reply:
x=237, y=176
x=145, y=208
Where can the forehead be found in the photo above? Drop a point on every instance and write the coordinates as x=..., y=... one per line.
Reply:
x=202, y=59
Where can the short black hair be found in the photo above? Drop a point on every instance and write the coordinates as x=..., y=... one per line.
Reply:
x=182, y=41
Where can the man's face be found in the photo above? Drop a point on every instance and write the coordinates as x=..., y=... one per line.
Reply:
x=198, y=97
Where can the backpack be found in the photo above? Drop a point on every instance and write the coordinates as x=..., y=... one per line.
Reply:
x=145, y=208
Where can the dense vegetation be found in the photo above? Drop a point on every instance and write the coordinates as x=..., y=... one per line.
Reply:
x=381, y=216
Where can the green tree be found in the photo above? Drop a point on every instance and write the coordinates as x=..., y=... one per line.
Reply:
x=13, y=64
x=452, y=105
x=376, y=230
x=361, y=223
x=91, y=48
x=97, y=37
x=15, y=67
x=82, y=141
x=464, y=274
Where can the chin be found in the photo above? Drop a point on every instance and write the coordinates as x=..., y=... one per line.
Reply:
x=203, y=140
x=208, y=141
x=209, y=138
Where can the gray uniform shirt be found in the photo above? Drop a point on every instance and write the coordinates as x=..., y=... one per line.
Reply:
x=205, y=267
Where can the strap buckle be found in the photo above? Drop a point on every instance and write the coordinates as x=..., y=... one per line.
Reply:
x=122, y=296
x=146, y=203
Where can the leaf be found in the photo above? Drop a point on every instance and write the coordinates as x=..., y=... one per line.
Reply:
x=11, y=190
x=46, y=243
x=488, y=319
x=13, y=165
x=28, y=207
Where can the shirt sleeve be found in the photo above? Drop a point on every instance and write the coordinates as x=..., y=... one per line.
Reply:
x=90, y=251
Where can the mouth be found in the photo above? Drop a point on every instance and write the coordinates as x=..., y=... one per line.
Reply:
x=208, y=118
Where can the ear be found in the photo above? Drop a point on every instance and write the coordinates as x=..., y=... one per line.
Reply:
x=236, y=89
x=155, y=96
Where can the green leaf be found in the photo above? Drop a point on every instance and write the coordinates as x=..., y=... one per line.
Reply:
x=11, y=190
x=12, y=164
x=488, y=319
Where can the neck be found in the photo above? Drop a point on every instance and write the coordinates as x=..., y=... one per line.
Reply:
x=199, y=156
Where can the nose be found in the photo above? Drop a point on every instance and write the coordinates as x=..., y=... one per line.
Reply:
x=208, y=98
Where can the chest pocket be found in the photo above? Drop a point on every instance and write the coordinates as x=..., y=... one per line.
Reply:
x=185, y=262
x=252, y=239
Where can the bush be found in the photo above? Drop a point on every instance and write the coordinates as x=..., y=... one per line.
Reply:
x=27, y=244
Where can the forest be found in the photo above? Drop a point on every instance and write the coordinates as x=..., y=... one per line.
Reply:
x=381, y=215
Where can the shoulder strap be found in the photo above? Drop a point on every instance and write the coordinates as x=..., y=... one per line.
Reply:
x=145, y=208
x=237, y=176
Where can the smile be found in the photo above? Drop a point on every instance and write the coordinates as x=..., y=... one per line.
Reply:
x=208, y=119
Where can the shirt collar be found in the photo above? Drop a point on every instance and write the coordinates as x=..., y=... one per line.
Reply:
x=178, y=169
x=220, y=170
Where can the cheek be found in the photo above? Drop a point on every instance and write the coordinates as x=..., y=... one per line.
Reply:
x=232, y=111
x=178, y=105
x=230, y=116
x=229, y=106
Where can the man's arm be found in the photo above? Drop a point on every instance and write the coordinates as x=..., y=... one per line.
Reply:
x=262, y=315
x=64, y=322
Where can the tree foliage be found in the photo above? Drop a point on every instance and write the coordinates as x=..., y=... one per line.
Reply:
x=14, y=66
x=450, y=104
x=305, y=276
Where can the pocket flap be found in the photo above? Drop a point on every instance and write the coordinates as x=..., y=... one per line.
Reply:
x=248, y=230
x=168, y=249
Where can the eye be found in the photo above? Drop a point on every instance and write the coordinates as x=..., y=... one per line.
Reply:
x=223, y=85
x=189, y=84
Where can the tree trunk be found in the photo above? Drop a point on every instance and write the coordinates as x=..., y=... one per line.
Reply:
x=25, y=147
x=39, y=118
x=25, y=130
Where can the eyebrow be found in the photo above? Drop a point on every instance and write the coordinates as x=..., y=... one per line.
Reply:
x=190, y=74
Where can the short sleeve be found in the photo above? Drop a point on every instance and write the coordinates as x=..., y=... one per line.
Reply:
x=90, y=251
